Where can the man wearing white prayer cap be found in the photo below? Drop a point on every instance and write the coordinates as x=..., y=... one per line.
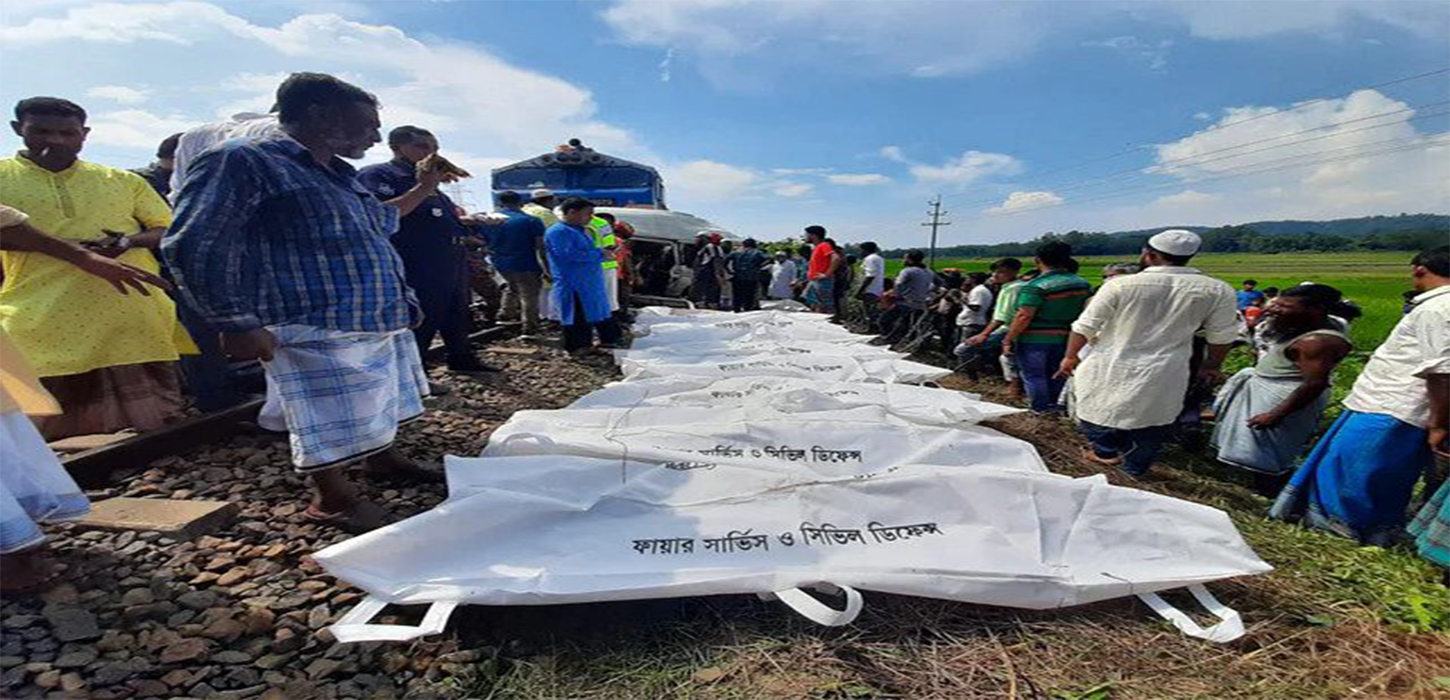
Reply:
x=1128, y=392
x=541, y=206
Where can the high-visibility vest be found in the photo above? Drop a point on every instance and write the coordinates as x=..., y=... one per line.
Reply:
x=603, y=238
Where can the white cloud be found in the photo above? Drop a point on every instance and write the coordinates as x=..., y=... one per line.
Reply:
x=799, y=171
x=794, y=189
x=1187, y=197
x=1339, y=132
x=666, y=69
x=466, y=88
x=1236, y=20
x=1152, y=53
x=1211, y=190
x=475, y=101
x=135, y=128
x=715, y=182
x=967, y=168
x=859, y=180
x=1018, y=201
x=739, y=44
x=710, y=180
x=893, y=153
x=119, y=93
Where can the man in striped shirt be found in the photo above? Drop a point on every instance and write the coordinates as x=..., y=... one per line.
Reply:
x=1046, y=308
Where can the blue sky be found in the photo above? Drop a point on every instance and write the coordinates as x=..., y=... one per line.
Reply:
x=767, y=116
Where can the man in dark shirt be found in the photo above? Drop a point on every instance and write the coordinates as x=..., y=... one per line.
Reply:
x=208, y=377
x=518, y=247
x=158, y=174
x=709, y=267
x=431, y=241
x=745, y=266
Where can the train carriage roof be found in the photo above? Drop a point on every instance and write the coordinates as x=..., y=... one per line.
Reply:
x=666, y=224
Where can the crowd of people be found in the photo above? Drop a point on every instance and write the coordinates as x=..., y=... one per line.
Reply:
x=251, y=256
x=1137, y=363
x=254, y=243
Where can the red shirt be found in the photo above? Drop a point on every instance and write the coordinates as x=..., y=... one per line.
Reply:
x=820, y=266
x=622, y=256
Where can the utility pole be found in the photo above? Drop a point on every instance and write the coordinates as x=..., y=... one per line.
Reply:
x=936, y=222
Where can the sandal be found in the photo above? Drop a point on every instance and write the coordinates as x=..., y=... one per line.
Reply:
x=363, y=516
x=1091, y=456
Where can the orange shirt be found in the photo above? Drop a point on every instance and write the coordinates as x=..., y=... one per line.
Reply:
x=820, y=266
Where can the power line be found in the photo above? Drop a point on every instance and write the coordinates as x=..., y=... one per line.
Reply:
x=935, y=223
x=1185, y=160
x=1229, y=175
x=1301, y=105
x=1228, y=125
x=1246, y=172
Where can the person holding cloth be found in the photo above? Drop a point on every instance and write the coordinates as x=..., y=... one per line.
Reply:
x=431, y=241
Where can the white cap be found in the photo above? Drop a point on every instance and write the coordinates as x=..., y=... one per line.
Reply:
x=542, y=193
x=1176, y=241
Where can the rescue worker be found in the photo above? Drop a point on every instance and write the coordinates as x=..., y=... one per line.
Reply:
x=602, y=228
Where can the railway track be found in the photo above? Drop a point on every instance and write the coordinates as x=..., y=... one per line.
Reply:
x=94, y=468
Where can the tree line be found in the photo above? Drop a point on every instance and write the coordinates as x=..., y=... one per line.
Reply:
x=1225, y=239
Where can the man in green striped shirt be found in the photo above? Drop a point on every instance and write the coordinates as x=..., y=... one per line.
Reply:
x=1046, y=308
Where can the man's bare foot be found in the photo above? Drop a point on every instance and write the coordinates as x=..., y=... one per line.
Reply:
x=391, y=464
x=28, y=570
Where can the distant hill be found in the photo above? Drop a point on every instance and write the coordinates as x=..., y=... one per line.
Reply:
x=1400, y=232
x=1362, y=226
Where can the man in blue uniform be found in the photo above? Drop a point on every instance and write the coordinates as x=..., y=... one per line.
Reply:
x=430, y=240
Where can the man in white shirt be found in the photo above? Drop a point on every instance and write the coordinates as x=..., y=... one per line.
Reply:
x=782, y=276
x=1358, y=479
x=1128, y=392
x=976, y=306
x=197, y=140
x=873, y=270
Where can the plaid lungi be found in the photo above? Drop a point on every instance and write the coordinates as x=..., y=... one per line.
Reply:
x=341, y=395
x=1431, y=528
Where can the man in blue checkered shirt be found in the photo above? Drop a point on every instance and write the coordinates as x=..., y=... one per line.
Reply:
x=285, y=253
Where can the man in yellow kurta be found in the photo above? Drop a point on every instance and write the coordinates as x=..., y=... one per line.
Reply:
x=109, y=359
x=34, y=487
